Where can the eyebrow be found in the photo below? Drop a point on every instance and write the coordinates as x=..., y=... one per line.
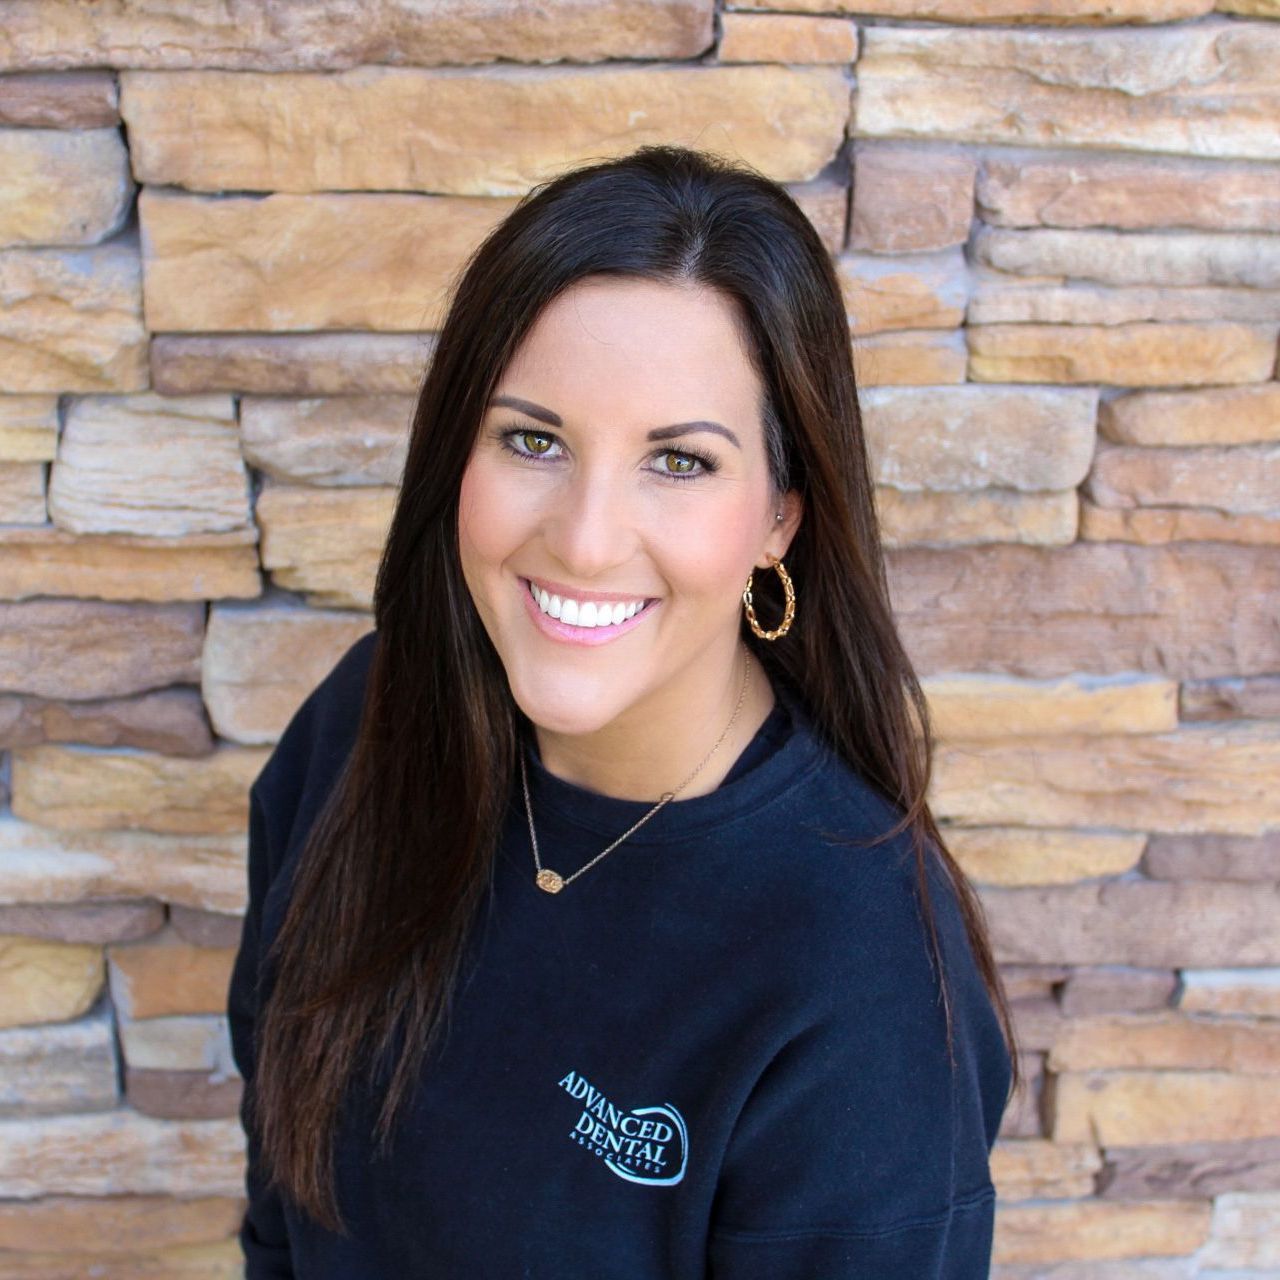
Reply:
x=658, y=433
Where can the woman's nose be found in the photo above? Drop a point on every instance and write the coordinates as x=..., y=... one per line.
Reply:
x=590, y=527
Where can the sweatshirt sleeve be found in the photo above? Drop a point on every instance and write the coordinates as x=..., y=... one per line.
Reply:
x=859, y=1152
x=264, y=1237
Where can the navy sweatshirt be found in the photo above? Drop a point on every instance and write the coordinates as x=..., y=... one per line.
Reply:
x=719, y=1053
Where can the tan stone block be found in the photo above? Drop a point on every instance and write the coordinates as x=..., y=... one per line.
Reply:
x=1204, y=857
x=1197, y=778
x=295, y=364
x=1239, y=479
x=150, y=465
x=992, y=515
x=128, y=567
x=1156, y=526
x=985, y=705
x=1258, y=697
x=52, y=1068
x=1244, y=993
x=90, y=198
x=922, y=291
x=338, y=440
x=1021, y=1117
x=325, y=542
x=1188, y=610
x=1218, y=415
x=1036, y=1169
x=59, y=100
x=1027, y=856
x=1250, y=8
x=90, y=649
x=263, y=254
x=1129, y=355
x=408, y=129
x=42, y=864
x=261, y=35
x=1027, y=981
x=1036, y=1022
x=182, y=1095
x=28, y=428
x=22, y=499
x=1191, y=1170
x=914, y=358
x=184, y=1042
x=748, y=37
x=1129, y=193
x=825, y=202
x=1243, y=1231
x=1116, y=989
x=164, y=975
x=1041, y=12
x=909, y=199
x=168, y=720
x=46, y=981
x=1144, y=923
x=92, y=789
x=96, y=922
x=79, y=323
x=995, y=301
x=1139, y=1108
x=1091, y=1230
x=1166, y=1039
x=205, y=928
x=261, y=663
x=120, y=1153
x=974, y=437
x=116, y=1224
x=1203, y=89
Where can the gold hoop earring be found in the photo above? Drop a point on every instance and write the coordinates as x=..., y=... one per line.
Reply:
x=789, y=611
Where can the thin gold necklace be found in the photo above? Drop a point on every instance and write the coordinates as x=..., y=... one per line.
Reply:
x=553, y=881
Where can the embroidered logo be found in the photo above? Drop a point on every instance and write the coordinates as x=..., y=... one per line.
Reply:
x=645, y=1144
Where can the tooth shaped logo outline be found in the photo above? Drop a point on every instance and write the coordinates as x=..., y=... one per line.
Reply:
x=665, y=1109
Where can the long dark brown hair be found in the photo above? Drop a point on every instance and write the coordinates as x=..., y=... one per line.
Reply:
x=401, y=852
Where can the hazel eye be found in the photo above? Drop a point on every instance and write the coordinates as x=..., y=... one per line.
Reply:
x=526, y=436
x=686, y=463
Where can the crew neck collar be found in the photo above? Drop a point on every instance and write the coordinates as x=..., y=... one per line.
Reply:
x=797, y=756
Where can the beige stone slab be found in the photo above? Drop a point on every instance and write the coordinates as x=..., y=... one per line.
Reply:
x=1129, y=192
x=42, y=981
x=1213, y=857
x=1088, y=1230
x=59, y=100
x=87, y=203
x=331, y=440
x=92, y=649
x=1250, y=8
x=287, y=262
x=1244, y=1232
x=1049, y=13
x=159, y=466
x=57, y=1067
x=1239, y=479
x=1139, y=1108
x=164, y=975
x=74, y=322
x=120, y=1152
x=752, y=37
x=1197, y=778
x=325, y=542
x=262, y=35
x=1191, y=1171
x=116, y=1224
x=47, y=865
x=1189, y=610
x=182, y=1095
x=38, y=562
x=1202, y=89
x=909, y=199
x=825, y=202
x=1030, y=856
x=1033, y=1169
x=1108, y=989
x=28, y=428
x=99, y=790
x=459, y=131
x=1218, y=415
x=904, y=291
x=168, y=720
x=1237, y=993
x=205, y=928
x=1144, y=923
x=261, y=662
x=96, y=922
x=22, y=493
x=912, y=358
x=1167, y=1040
x=995, y=301
x=1258, y=696
x=184, y=1042
x=1127, y=355
x=1157, y=526
x=990, y=515
x=979, y=437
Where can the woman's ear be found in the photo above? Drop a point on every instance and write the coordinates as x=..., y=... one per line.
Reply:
x=779, y=536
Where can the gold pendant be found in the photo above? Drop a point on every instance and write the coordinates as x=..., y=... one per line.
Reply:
x=549, y=880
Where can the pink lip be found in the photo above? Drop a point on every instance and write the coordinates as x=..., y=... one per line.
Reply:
x=557, y=630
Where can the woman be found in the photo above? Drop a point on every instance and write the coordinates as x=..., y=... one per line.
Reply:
x=598, y=926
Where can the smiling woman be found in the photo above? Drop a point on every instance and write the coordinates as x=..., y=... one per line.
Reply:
x=631, y=618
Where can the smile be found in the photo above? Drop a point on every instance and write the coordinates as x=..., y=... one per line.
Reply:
x=583, y=621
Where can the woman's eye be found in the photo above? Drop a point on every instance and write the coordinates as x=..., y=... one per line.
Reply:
x=686, y=463
x=526, y=436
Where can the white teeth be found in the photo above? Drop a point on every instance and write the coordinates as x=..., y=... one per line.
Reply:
x=588, y=613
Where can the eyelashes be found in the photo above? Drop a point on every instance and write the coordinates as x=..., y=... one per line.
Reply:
x=708, y=464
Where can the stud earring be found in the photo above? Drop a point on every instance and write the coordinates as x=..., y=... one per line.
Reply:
x=789, y=611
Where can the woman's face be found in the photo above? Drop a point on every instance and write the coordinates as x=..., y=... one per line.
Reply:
x=620, y=461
